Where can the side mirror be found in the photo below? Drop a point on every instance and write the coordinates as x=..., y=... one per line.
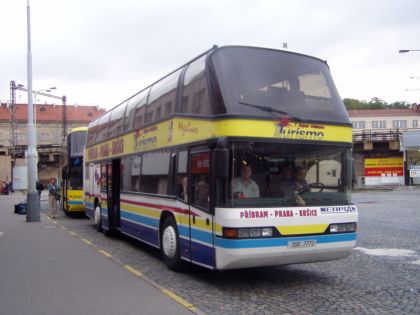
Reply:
x=221, y=163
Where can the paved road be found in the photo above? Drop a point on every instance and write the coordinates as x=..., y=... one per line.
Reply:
x=381, y=277
x=46, y=270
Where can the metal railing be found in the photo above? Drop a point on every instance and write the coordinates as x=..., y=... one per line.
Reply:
x=379, y=135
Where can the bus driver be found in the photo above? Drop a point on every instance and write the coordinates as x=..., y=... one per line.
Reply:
x=244, y=186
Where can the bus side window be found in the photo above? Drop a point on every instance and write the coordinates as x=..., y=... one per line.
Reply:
x=182, y=176
x=200, y=179
x=154, y=172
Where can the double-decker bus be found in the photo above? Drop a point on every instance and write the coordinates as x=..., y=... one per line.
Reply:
x=239, y=158
x=71, y=199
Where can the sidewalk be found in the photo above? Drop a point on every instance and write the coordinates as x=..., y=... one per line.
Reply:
x=45, y=270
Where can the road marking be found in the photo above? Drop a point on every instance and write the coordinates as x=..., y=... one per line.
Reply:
x=1, y=233
x=177, y=298
x=133, y=270
x=87, y=241
x=105, y=253
x=137, y=273
x=391, y=252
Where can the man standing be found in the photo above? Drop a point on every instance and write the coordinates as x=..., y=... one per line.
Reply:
x=52, y=197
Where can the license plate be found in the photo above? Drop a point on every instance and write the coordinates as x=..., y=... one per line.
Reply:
x=301, y=244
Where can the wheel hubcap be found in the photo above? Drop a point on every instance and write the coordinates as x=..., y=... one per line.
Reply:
x=169, y=242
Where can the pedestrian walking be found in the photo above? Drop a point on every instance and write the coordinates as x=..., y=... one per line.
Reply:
x=39, y=188
x=52, y=197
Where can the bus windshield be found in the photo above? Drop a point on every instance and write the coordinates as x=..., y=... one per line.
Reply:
x=288, y=174
x=77, y=141
x=264, y=82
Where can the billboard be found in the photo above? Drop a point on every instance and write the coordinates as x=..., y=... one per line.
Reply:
x=391, y=166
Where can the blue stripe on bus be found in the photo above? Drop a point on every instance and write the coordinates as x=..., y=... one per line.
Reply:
x=139, y=218
x=199, y=235
x=74, y=202
x=140, y=232
x=202, y=254
x=271, y=242
x=89, y=204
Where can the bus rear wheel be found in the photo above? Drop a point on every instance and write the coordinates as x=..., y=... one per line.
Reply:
x=170, y=244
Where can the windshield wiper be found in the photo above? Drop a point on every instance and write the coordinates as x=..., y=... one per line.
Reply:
x=271, y=110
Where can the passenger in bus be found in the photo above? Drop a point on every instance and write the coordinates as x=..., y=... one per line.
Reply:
x=244, y=186
x=182, y=188
x=288, y=186
x=202, y=192
x=301, y=184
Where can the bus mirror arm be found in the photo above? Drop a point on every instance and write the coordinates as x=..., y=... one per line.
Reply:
x=222, y=163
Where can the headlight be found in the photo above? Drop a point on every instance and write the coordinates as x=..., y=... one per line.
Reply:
x=343, y=227
x=247, y=232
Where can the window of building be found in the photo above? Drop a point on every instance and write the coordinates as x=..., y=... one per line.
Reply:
x=130, y=170
x=154, y=172
x=359, y=124
x=415, y=123
x=378, y=124
x=399, y=123
x=45, y=137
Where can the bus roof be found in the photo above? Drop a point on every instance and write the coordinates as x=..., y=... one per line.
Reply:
x=78, y=129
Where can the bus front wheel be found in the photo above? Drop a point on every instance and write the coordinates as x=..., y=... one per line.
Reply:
x=171, y=244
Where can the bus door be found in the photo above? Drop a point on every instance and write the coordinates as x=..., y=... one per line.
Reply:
x=113, y=194
x=200, y=217
x=64, y=184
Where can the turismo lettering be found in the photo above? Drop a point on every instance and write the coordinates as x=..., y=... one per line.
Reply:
x=300, y=134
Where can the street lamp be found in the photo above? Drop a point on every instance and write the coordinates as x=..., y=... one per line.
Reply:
x=401, y=51
x=33, y=211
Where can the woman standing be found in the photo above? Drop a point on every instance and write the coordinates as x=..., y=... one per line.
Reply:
x=52, y=197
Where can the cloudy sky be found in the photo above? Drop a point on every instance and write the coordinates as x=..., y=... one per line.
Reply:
x=99, y=52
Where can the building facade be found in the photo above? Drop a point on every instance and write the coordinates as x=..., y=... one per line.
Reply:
x=50, y=132
x=378, y=149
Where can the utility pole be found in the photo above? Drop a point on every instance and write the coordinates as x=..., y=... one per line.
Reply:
x=13, y=125
x=33, y=212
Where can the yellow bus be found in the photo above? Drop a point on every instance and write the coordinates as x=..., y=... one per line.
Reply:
x=71, y=200
x=239, y=158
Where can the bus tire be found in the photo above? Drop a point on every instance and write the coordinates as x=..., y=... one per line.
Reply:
x=171, y=244
x=98, y=218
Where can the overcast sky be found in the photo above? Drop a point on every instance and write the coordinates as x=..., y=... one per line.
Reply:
x=101, y=52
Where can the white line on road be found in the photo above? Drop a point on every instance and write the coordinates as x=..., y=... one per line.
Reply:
x=392, y=252
x=1, y=233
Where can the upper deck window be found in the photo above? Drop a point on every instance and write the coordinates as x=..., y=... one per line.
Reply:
x=253, y=81
x=136, y=108
x=102, y=128
x=91, y=133
x=162, y=98
x=195, y=97
x=116, y=120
